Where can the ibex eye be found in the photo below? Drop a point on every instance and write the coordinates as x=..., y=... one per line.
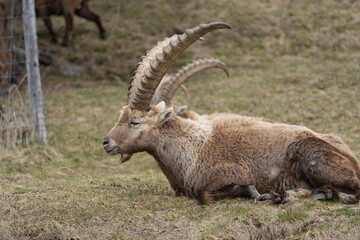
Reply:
x=134, y=123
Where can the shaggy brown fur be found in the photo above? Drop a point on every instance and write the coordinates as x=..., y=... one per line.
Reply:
x=235, y=156
x=67, y=8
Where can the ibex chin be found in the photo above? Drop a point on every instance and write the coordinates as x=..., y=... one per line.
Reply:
x=231, y=156
x=67, y=8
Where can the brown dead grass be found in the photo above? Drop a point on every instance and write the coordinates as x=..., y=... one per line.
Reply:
x=144, y=207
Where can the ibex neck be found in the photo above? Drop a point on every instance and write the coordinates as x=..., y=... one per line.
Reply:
x=177, y=150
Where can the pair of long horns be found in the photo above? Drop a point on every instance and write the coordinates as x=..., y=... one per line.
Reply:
x=171, y=83
x=182, y=75
x=158, y=60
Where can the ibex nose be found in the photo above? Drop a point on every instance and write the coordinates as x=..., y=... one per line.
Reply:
x=105, y=142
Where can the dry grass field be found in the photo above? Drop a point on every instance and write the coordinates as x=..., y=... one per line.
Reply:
x=295, y=61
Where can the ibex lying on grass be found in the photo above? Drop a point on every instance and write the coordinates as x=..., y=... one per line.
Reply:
x=227, y=157
x=67, y=8
x=171, y=83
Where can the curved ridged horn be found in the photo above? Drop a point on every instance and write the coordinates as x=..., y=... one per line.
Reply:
x=174, y=81
x=158, y=60
x=157, y=94
x=185, y=73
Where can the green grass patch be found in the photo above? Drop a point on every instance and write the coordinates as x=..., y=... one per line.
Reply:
x=343, y=212
x=293, y=215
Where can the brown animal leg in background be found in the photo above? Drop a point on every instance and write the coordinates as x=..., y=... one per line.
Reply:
x=86, y=13
x=69, y=21
x=48, y=24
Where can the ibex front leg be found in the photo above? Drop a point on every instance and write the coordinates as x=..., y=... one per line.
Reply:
x=48, y=24
x=69, y=28
x=214, y=192
x=225, y=186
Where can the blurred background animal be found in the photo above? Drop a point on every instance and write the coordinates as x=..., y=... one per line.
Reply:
x=67, y=8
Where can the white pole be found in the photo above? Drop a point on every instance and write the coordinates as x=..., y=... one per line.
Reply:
x=33, y=72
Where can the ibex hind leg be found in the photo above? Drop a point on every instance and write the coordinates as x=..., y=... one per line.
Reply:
x=86, y=13
x=326, y=192
x=328, y=170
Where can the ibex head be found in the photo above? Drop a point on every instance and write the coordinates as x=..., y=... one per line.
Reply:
x=139, y=122
x=136, y=130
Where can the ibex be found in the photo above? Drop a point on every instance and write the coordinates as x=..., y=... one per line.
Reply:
x=67, y=8
x=232, y=156
x=171, y=83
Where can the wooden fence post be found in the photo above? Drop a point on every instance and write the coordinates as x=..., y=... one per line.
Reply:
x=33, y=72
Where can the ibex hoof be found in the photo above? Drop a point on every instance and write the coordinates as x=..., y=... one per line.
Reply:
x=64, y=44
x=322, y=196
x=273, y=198
x=265, y=198
x=103, y=36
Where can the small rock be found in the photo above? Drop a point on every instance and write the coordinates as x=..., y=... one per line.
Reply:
x=69, y=70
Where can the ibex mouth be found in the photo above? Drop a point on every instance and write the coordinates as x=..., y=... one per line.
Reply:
x=125, y=157
x=112, y=151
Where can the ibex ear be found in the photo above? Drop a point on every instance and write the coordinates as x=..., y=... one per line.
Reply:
x=181, y=110
x=164, y=116
x=161, y=106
